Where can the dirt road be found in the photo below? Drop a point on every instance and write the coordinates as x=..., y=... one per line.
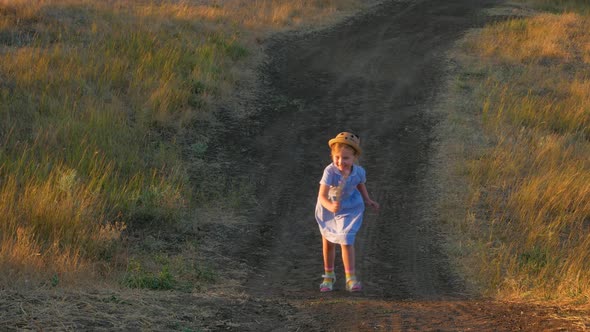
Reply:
x=377, y=75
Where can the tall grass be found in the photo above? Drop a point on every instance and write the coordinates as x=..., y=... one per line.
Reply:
x=580, y=6
x=94, y=96
x=531, y=185
x=268, y=15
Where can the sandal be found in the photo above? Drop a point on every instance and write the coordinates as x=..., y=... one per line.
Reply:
x=353, y=285
x=327, y=286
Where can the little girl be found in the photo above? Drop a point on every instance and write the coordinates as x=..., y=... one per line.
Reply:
x=340, y=207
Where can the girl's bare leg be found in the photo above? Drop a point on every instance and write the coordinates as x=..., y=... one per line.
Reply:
x=329, y=250
x=348, y=258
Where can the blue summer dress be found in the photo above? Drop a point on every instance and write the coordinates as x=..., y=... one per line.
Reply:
x=341, y=227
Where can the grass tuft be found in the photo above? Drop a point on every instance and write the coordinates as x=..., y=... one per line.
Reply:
x=137, y=277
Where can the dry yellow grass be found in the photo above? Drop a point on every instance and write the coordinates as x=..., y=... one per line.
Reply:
x=530, y=183
x=94, y=96
x=256, y=14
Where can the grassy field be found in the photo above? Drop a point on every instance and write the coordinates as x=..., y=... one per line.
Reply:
x=94, y=99
x=96, y=96
x=525, y=83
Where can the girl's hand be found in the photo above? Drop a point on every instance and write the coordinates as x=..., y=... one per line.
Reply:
x=335, y=207
x=372, y=204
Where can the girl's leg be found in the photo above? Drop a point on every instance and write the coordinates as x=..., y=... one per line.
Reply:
x=329, y=250
x=348, y=258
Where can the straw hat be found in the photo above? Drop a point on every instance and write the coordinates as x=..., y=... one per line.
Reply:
x=347, y=138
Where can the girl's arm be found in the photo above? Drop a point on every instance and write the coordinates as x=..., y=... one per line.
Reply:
x=325, y=201
x=363, y=190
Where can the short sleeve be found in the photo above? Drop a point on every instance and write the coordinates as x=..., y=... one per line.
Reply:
x=328, y=177
x=362, y=175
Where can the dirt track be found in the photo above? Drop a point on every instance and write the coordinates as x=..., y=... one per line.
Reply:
x=378, y=75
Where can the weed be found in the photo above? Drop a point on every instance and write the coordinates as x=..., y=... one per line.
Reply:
x=199, y=149
x=534, y=259
x=55, y=280
x=206, y=274
x=137, y=277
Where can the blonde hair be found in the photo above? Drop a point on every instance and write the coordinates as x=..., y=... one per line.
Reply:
x=336, y=147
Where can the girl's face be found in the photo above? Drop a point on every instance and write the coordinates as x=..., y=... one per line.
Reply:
x=343, y=158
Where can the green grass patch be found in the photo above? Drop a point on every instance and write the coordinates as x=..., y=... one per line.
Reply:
x=137, y=277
